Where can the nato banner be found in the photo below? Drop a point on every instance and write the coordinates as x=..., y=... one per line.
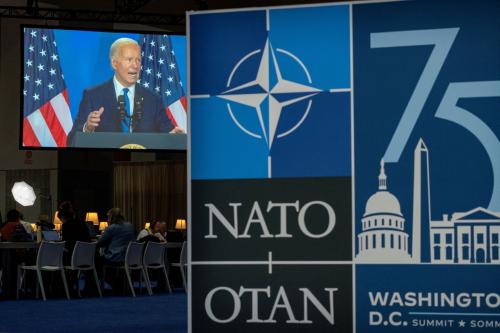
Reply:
x=344, y=168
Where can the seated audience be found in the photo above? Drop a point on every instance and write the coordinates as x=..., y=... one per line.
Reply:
x=72, y=229
x=153, y=233
x=92, y=229
x=163, y=229
x=114, y=242
x=13, y=230
x=116, y=237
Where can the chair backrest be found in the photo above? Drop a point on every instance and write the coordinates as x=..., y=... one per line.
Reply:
x=153, y=254
x=183, y=263
x=83, y=255
x=184, y=255
x=133, y=256
x=50, y=254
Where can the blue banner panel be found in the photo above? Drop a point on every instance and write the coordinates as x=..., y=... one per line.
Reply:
x=266, y=103
x=381, y=113
x=270, y=114
x=427, y=298
x=427, y=87
x=427, y=189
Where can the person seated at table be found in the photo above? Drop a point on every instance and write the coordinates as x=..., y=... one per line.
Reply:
x=44, y=223
x=72, y=230
x=114, y=242
x=13, y=230
x=115, y=237
x=153, y=233
x=163, y=230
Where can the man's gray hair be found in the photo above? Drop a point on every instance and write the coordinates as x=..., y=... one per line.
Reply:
x=117, y=44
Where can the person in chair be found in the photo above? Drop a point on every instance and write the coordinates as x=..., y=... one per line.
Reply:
x=114, y=241
x=116, y=237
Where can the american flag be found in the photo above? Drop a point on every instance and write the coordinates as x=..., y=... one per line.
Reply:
x=160, y=74
x=47, y=117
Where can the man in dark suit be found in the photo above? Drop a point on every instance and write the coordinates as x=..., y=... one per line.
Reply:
x=119, y=104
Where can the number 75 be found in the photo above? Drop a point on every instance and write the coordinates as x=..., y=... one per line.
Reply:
x=442, y=39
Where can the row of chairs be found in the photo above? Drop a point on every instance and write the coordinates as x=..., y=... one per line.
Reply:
x=153, y=256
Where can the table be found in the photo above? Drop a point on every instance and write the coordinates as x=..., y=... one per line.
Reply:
x=173, y=245
x=8, y=265
x=18, y=245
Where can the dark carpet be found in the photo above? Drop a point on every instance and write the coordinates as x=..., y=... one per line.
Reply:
x=166, y=313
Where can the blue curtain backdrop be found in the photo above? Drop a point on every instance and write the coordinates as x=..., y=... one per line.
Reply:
x=84, y=57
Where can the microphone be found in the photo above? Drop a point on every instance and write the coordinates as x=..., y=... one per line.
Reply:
x=137, y=116
x=121, y=107
x=123, y=113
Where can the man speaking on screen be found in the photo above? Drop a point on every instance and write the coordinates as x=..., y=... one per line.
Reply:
x=119, y=104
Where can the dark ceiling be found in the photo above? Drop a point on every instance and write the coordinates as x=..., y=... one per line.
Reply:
x=168, y=6
x=163, y=14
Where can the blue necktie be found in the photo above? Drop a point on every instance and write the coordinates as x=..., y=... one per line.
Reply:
x=126, y=120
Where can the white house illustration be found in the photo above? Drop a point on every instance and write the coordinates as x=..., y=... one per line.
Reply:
x=467, y=238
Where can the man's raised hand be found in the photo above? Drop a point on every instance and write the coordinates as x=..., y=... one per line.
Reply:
x=93, y=120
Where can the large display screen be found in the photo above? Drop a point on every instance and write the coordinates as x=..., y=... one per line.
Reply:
x=97, y=89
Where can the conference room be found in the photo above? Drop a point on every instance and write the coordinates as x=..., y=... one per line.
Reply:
x=241, y=166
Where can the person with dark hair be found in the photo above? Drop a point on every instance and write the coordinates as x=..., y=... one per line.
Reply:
x=13, y=231
x=13, y=215
x=72, y=229
x=114, y=241
x=13, y=221
x=163, y=229
x=116, y=237
x=153, y=233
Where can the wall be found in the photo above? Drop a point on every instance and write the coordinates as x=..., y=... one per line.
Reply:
x=11, y=157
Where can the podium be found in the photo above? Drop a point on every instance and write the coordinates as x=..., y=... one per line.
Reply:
x=164, y=141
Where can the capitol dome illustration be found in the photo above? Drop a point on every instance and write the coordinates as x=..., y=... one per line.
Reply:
x=383, y=238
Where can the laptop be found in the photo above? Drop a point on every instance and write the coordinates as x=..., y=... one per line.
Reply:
x=50, y=235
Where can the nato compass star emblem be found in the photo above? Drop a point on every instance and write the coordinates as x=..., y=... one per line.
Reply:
x=270, y=92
